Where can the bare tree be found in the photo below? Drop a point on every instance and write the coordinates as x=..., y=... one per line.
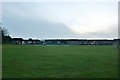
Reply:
x=3, y=31
x=4, y=36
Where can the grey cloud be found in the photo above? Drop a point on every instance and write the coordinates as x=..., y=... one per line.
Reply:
x=28, y=27
x=21, y=21
x=113, y=33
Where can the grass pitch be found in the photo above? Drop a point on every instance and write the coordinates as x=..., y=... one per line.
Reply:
x=27, y=61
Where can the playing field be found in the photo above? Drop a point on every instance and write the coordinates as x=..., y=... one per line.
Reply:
x=59, y=61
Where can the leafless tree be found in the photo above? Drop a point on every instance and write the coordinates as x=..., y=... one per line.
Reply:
x=3, y=31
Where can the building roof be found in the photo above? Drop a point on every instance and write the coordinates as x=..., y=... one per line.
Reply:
x=17, y=38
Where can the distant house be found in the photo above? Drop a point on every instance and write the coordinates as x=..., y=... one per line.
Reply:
x=76, y=41
x=116, y=41
x=100, y=42
x=17, y=40
x=52, y=41
x=31, y=41
x=65, y=41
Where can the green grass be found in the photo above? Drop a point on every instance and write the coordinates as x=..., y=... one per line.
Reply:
x=59, y=61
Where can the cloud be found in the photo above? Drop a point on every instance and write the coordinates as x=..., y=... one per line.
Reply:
x=112, y=33
x=28, y=27
x=60, y=20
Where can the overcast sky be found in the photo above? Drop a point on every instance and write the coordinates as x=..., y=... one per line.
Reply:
x=61, y=19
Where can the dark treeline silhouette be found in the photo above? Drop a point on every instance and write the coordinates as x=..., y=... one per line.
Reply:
x=30, y=41
x=4, y=36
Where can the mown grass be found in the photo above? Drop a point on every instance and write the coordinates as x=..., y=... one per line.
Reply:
x=59, y=61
